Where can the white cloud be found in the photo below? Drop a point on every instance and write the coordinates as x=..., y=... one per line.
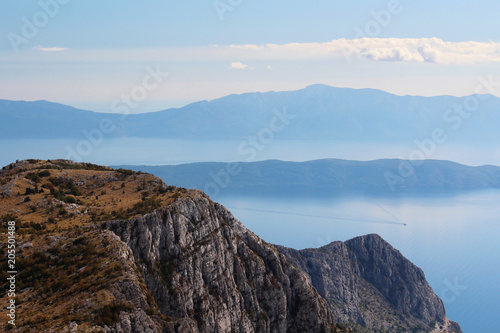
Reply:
x=412, y=50
x=269, y=67
x=238, y=65
x=50, y=49
x=432, y=50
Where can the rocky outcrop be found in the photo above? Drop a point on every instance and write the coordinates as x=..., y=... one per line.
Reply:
x=401, y=283
x=128, y=290
x=370, y=285
x=208, y=273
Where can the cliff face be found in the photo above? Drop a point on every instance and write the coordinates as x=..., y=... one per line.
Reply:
x=370, y=284
x=210, y=274
x=104, y=250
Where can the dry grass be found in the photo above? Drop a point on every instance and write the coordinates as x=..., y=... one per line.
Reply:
x=66, y=266
x=54, y=196
x=64, y=278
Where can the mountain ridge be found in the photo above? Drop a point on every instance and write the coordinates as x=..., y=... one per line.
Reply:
x=317, y=86
x=383, y=176
x=318, y=112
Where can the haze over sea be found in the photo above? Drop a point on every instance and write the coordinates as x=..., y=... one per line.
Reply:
x=141, y=151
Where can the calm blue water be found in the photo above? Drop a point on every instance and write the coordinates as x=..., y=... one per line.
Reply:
x=137, y=151
x=453, y=238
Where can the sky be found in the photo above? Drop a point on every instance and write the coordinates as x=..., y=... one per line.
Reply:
x=161, y=54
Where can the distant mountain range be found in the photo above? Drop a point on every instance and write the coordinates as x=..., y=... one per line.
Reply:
x=331, y=176
x=318, y=112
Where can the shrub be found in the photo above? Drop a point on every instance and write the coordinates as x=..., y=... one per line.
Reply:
x=126, y=172
x=30, y=190
x=110, y=313
x=80, y=240
x=44, y=173
x=37, y=226
x=33, y=177
x=147, y=205
x=69, y=199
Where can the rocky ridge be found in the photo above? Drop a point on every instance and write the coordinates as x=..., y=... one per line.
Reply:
x=202, y=264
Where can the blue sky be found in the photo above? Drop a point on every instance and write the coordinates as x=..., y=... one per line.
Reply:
x=89, y=54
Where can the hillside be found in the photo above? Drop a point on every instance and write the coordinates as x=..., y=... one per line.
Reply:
x=47, y=120
x=328, y=176
x=103, y=250
x=317, y=112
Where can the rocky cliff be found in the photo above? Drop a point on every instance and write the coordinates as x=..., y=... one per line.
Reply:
x=104, y=250
x=371, y=286
x=206, y=269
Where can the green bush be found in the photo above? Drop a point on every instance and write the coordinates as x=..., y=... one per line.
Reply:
x=69, y=199
x=126, y=172
x=110, y=313
x=44, y=173
x=147, y=205
x=33, y=177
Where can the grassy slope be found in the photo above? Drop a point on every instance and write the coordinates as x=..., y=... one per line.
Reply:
x=69, y=270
